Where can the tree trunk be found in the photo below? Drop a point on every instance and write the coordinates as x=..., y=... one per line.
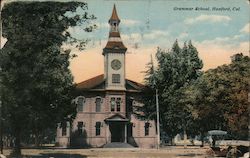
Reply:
x=17, y=144
x=1, y=137
x=171, y=141
x=185, y=138
x=37, y=139
x=202, y=139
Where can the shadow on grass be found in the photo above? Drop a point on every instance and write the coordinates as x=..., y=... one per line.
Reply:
x=190, y=155
x=56, y=155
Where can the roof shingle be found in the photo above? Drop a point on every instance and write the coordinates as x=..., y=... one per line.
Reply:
x=114, y=15
x=91, y=83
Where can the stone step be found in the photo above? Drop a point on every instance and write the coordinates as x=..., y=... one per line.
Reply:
x=118, y=145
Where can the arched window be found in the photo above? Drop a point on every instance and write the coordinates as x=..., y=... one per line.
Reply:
x=98, y=102
x=112, y=102
x=80, y=103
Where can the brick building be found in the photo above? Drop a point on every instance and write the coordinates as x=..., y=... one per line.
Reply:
x=105, y=105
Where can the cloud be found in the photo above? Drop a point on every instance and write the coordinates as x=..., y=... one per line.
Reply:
x=246, y=29
x=218, y=51
x=133, y=37
x=183, y=35
x=207, y=18
x=230, y=41
x=102, y=25
x=137, y=40
x=130, y=22
x=124, y=23
x=154, y=34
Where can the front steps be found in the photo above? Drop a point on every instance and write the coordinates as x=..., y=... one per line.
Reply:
x=118, y=145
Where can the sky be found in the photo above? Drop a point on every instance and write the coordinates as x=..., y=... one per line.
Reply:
x=218, y=29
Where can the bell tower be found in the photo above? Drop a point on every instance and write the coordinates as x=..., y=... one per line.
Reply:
x=114, y=56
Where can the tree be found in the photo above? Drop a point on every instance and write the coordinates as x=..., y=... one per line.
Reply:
x=176, y=69
x=237, y=116
x=220, y=98
x=37, y=82
x=203, y=104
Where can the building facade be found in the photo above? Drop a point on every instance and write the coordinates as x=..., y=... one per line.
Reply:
x=106, y=104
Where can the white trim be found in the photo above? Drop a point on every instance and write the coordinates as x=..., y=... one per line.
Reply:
x=115, y=39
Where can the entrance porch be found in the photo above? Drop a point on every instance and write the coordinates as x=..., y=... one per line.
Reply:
x=117, y=129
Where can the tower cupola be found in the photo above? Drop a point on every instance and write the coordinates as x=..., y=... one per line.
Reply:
x=114, y=21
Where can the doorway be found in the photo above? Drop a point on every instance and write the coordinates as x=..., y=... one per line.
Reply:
x=117, y=131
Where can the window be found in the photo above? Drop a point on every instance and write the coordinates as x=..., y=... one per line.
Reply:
x=115, y=104
x=80, y=128
x=64, y=128
x=116, y=78
x=112, y=102
x=80, y=103
x=98, y=104
x=146, y=128
x=97, y=128
x=118, y=104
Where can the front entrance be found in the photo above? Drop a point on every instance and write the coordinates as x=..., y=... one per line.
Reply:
x=117, y=130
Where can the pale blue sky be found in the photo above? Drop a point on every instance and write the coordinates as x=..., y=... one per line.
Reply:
x=147, y=16
x=147, y=24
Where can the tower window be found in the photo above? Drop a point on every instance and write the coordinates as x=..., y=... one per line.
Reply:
x=97, y=128
x=80, y=103
x=80, y=128
x=98, y=104
x=116, y=78
x=146, y=128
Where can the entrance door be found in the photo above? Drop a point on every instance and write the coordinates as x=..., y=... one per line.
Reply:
x=117, y=131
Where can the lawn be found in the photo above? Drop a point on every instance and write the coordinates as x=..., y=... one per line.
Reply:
x=167, y=152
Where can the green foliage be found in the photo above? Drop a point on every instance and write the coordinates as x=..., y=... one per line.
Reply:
x=37, y=82
x=220, y=98
x=176, y=69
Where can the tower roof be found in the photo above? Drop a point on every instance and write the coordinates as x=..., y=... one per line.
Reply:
x=114, y=15
x=114, y=42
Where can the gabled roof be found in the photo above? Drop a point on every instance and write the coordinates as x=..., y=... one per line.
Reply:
x=91, y=83
x=98, y=82
x=114, y=15
x=135, y=85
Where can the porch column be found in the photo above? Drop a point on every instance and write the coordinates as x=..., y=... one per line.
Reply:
x=107, y=133
x=125, y=134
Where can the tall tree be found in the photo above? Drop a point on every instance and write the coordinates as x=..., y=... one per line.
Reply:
x=237, y=116
x=220, y=98
x=176, y=69
x=35, y=74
